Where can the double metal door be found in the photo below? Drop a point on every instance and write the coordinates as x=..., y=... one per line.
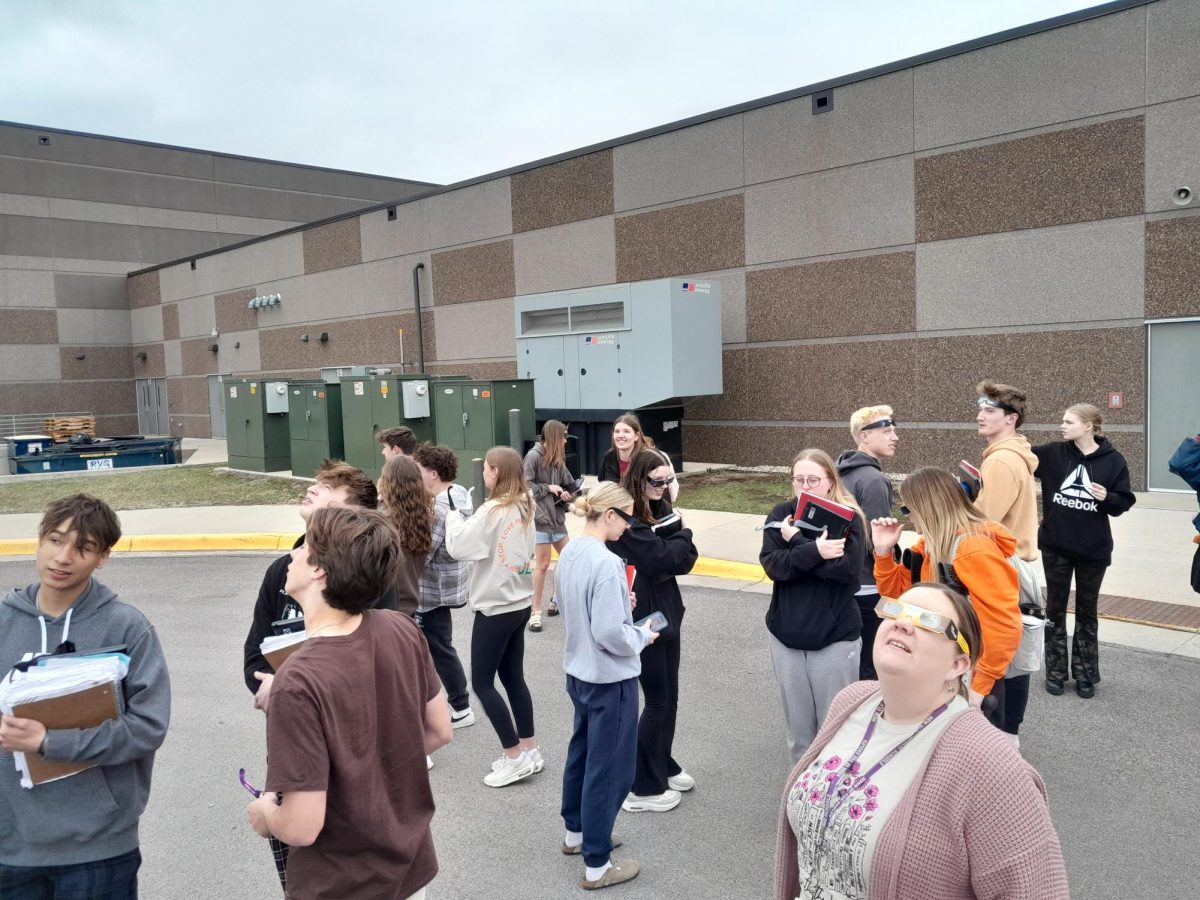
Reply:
x=153, y=414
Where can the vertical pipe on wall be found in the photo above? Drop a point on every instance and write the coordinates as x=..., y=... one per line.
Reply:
x=417, y=303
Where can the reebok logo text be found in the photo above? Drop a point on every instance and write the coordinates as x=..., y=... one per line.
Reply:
x=1072, y=503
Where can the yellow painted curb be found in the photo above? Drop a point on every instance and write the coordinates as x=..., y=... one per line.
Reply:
x=728, y=568
x=175, y=543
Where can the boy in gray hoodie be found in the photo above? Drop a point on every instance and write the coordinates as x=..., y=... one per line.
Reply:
x=78, y=836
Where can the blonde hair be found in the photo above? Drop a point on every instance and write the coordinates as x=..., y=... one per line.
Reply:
x=944, y=509
x=605, y=496
x=510, y=488
x=1085, y=412
x=837, y=489
x=866, y=416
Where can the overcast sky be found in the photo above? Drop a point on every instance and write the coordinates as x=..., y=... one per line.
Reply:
x=442, y=91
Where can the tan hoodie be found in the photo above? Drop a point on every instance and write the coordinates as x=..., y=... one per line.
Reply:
x=500, y=544
x=1007, y=495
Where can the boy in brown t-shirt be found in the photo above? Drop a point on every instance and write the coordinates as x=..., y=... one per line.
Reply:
x=353, y=713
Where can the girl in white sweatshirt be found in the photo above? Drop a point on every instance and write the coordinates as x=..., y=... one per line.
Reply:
x=499, y=540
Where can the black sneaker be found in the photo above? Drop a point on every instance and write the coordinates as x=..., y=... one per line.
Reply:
x=1085, y=689
x=1054, y=686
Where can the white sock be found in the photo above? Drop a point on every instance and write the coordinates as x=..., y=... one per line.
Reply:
x=574, y=839
x=597, y=873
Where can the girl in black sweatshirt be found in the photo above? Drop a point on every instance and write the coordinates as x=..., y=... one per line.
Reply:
x=1084, y=481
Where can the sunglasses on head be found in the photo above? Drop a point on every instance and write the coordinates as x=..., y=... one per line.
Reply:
x=904, y=510
x=996, y=404
x=882, y=423
x=660, y=482
x=887, y=608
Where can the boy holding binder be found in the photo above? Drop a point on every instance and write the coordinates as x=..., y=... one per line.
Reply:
x=77, y=835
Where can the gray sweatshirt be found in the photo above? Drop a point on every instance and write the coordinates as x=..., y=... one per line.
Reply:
x=92, y=815
x=602, y=645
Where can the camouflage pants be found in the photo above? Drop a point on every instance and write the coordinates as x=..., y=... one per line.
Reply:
x=1085, y=648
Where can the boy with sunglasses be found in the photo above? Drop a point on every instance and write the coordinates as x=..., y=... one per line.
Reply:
x=78, y=836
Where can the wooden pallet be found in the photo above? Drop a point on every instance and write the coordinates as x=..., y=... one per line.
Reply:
x=60, y=429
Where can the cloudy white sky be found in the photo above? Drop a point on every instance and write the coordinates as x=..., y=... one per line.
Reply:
x=442, y=91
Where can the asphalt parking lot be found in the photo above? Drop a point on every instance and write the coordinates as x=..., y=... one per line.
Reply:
x=1122, y=770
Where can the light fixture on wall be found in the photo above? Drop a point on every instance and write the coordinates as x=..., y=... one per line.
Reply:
x=213, y=348
x=304, y=338
x=215, y=333
x=81, y=356
x=323, y=337
x=264, y=301
x=142, y=356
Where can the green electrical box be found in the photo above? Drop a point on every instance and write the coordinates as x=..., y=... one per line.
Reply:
x=372, y=403
x=315, y=423
x=472, y=417
x=256, y=425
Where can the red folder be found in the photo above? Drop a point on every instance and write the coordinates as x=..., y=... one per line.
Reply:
x=822, y=513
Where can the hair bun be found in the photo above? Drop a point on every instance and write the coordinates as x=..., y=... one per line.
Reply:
x=580, y=506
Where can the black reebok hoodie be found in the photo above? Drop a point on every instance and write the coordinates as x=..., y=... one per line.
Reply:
x=1074, y=523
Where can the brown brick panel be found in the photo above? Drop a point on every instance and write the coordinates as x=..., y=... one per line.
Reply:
x=29, y=326
x=333, y=246
x=112, y=426
x=144, y=290
x=351, y=342
x=1055, y=368
x=101, y=398
x=153, y=366
x=1173, y=268
x=196, y=358
x=569, y=191
x=170, y=319
x=103, y=363
x=680, y=240
x=482, y=272
x=231, y=311
x=859, y=295
x=187, y=396
x=736, y=400
x=197, y=426
x=1075, y=175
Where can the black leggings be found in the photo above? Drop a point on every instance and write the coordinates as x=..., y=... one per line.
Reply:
x=498, y=648
x=656, y=729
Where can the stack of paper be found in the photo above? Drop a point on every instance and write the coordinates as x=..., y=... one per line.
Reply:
x=278, y=647
x=63, y=693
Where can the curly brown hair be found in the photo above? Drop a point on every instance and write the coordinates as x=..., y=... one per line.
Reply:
x=408, y=504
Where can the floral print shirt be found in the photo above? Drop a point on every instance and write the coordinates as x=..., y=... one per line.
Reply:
x=835, y=860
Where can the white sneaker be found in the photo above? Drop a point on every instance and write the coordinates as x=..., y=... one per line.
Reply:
x=663, y=802
x=511, y=769
x=1012, y=739
x=681, y=782
x=535, y=754
x=428, y=763
x=462, y=718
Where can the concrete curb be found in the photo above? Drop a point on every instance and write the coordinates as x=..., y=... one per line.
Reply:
x=175, y=543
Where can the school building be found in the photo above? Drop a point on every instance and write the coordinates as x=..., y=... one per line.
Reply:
x=1021, y=207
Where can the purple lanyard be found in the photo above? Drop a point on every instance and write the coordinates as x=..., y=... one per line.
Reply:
x=859, y=782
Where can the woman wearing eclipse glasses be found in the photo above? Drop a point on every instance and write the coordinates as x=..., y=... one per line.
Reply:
x=907, y=791
x=659, y=548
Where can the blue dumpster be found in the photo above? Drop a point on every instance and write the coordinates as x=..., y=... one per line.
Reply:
x=101, y=454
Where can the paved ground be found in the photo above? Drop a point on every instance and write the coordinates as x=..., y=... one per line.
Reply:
x=1122, y=770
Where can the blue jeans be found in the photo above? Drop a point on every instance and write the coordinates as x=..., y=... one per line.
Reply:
x=601, y=761
x=114, y=878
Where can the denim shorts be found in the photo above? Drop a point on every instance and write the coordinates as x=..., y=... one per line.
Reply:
x=548, y=537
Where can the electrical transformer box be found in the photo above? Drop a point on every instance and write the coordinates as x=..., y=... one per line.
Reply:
x=621, y=346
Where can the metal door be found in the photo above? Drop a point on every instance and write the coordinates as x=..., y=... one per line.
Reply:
x=216, y=405
x=599, y=372
x=235, y=435
x=448, y=407
x=299, y=415
x=1172, y=402
x=544, y=359
x=153, y=415
x=478, y=420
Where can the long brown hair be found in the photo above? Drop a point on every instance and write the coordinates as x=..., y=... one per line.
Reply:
x=554, y=435
x=634, y=481
x=837, y=489
x=640, y=442
x=967, y=621
x=510, y=489
x=944, y=509
x=409, y=504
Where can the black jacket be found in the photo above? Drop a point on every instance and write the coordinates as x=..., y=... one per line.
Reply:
x=1074, y=523
x=864, y=478
x=659, y=553
x=610, y=467
x=273, y=604
x=812, y=599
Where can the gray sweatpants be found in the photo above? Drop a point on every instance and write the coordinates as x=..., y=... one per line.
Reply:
x=808, y=682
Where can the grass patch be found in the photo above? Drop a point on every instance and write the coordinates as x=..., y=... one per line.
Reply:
x=731, y=490
x=151, y=489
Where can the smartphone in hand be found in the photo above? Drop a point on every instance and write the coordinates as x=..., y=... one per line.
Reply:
x=656, y=622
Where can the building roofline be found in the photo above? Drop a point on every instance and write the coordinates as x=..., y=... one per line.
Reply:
x=239, y=156
x=980, y=43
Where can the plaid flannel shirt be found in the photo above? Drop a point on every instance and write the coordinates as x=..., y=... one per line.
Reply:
x=444, y=580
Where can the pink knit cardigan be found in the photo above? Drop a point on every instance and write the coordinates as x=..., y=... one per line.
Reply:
x=974, y=822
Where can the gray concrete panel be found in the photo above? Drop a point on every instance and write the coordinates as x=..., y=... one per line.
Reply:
x=871, y=119
x=108, y=327
x=32, y=236
x=1069, y=273
x=26, y=288
x=262, y=203
x=239, y=352
x=480, y=330
x=691, y=162
x=474, y=213
x=733, y=302
x=268, y=260
x=581, y=254
x=1087, y=69
x=251, y=225
x=146, y=324
x=197, y=317
x=178, y=282
x=115, y=154
x=853, y=208
x=388, y=284
x=1172, y=160
x=335, y=293
x=159, y=244
x=92, y=211
x=153, y=217
x=172, y=358
x=29, y=362
x=407, y=233
x=1172, y=61
x=293, y=308
x=23, y=205
x=79, y=291
x=86, y=183
x=17, y=176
